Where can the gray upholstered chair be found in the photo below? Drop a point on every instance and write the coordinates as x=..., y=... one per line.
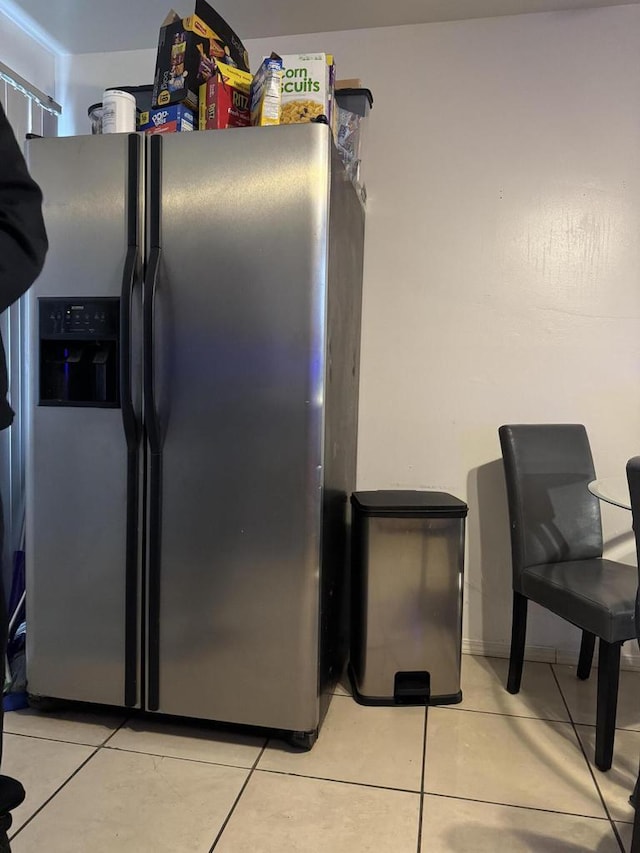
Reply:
x=556, y=545
x=633, y=478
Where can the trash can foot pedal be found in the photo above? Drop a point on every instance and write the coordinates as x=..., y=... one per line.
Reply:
x=412, y=688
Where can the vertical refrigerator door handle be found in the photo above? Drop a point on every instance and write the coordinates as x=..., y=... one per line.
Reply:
x=131, y=424
x=154, y=433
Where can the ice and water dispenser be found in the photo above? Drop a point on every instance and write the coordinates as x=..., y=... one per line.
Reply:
x=79, y=352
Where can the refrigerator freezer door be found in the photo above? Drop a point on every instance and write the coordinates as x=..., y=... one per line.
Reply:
x=81, y=584
x=239, y=325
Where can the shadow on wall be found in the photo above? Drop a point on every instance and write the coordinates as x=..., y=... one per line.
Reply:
x=488, y=568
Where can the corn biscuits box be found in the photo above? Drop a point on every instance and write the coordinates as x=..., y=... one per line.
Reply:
x=306, y=91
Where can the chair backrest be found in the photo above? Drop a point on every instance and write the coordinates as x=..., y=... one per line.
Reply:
x=633, y=478
x=553, y=516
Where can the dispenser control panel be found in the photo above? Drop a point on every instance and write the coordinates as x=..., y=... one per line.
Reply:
x=79, y=352
x=79, y=318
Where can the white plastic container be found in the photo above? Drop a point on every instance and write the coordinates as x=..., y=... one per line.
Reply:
x=118, y=112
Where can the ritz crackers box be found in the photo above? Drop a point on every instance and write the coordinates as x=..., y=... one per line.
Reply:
x=187, y=50
x=224, y=99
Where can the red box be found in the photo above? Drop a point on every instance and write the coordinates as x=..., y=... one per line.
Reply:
x=225, y=99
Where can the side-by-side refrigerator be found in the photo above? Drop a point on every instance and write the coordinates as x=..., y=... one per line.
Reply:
x=192, y=367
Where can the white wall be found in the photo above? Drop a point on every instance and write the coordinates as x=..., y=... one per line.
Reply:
x=502, y=266
x=26, y=56
x=82, y=79
x=502, y=260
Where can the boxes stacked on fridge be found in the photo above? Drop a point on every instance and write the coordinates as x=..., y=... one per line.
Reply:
x=170, y=119
x=203, y=65
x=203, y=81
x=189, y=50
x=293, y=89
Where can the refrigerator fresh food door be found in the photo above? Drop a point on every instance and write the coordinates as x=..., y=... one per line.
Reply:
x=84, y=424
x=235, y=300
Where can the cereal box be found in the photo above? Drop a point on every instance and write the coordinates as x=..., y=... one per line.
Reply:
x=187, y=51
x=224, y=99
x=266, y=92
x=306, y=89
x=176, y=118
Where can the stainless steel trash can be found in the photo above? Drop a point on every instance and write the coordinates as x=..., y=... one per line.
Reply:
x=406, y=597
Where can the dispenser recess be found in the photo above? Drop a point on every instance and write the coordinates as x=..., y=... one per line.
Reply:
x=79, y=352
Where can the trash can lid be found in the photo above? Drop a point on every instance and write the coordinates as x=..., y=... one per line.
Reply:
x=408, y=501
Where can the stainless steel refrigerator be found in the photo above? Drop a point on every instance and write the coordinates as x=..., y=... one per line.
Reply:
x=192, y=366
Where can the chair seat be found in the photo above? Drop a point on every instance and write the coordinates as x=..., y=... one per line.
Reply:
x=597, y=595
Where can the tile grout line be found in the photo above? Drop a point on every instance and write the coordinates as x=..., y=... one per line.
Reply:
x=457, y=710
x=69, y=778
x=71, y=742
x=116, y=730
x=340, y=781
x=588, y=763
x=175, y=757
x=237, y=799
x=422, y=772
x=605, y=819
x=52, y=739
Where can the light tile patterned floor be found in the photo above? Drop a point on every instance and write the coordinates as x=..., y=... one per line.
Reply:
x=497, y=772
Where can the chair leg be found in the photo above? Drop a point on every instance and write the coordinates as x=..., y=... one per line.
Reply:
x=518, y=634
x=5, y=824
x=586, y=655
x=608, y=677
x=635, y=838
